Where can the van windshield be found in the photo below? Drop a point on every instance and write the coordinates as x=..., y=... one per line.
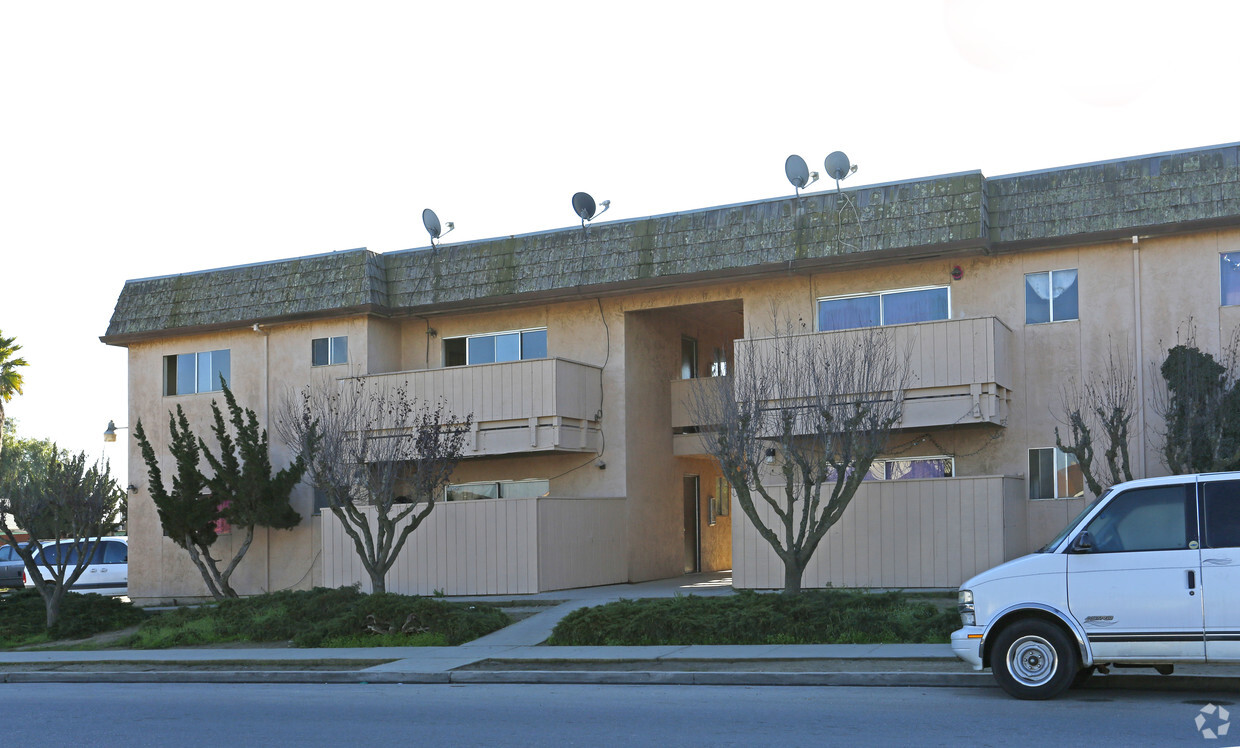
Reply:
x=1051, y=546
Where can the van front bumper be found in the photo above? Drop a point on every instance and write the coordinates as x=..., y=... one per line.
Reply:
x=966, y=648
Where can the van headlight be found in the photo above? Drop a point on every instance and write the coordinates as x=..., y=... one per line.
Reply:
x=964, y=604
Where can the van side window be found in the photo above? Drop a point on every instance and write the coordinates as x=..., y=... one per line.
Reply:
x=1221, y=507
x=112, y=552
x=1159, y=518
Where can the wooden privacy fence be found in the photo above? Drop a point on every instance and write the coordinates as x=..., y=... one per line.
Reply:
x=495, y=547
x=934, y=532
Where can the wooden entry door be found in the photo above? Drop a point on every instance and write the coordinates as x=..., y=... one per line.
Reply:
x=693, y=525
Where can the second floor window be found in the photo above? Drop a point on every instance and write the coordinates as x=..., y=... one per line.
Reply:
x=1229, y=278
x=885, y=308
x=1050, y=296
x=495, y=347
x=187, y=373
x=329, y=351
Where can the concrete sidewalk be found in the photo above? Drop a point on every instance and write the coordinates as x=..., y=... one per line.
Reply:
x=515, y=655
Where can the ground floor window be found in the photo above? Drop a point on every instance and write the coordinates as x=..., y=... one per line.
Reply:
x=1054, y=474
x=502, y=489
x=912, y=468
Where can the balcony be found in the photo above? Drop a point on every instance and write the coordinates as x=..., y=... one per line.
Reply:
x=539, y=405
x=960, y=372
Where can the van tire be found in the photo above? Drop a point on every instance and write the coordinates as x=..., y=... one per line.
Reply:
x=1034, y=659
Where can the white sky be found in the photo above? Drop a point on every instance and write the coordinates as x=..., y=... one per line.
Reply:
x=150, y=138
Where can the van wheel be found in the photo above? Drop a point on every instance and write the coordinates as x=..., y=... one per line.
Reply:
x=1034, y=659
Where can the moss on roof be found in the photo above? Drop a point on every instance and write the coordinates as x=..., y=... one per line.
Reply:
x=939, y=215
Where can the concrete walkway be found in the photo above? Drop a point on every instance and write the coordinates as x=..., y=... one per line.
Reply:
x=514, y=655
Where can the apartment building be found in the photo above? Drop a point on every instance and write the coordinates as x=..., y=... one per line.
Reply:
x=576, y=351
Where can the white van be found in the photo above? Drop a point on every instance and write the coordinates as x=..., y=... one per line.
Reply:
x=1147, y=575
x=107, y=573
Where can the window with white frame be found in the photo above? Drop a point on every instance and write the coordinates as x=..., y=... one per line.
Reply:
x=1229, y=278
x=329, y=351
x=884, y=308
x=501, y=489
x=187, y=373
x=1054, y=474
x=1050, y=296
x=514, y=345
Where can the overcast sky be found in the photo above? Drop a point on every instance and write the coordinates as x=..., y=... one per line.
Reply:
x=149, y=138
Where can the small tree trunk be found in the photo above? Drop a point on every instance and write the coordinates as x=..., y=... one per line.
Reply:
x=377, y=582
x=52, y=603
x=793, y=571
x=203, y=569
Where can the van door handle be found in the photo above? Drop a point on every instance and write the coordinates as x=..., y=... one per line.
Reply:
x=1192, y=579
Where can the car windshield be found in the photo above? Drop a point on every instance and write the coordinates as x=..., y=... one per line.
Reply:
x=1051, y=546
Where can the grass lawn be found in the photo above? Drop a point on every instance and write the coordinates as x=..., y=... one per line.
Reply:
x=813, y=617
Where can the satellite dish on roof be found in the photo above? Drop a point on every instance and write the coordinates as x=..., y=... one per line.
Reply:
x=433, y=227
x=583, y=206
x=837, y=165
x=431, y=222
x=798, y=173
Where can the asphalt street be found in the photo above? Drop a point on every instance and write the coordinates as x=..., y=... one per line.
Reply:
x=133, y=715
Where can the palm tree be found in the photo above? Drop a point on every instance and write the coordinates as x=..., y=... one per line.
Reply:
x=10, y=377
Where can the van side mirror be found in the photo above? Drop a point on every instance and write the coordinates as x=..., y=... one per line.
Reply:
x=1084, y=542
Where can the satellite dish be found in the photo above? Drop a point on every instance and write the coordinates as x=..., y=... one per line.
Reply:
x=797, y=171
x=583, y=206
x=837, y=165
x=431, y=222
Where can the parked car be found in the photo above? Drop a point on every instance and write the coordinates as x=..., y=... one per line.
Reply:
x=1147, y=575
x=107, y=573
x=11, y=566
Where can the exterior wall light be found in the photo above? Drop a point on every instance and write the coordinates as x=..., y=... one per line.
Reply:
x=109, y=434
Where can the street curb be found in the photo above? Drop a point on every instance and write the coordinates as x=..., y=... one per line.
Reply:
x=627, y=678
x=502, y=677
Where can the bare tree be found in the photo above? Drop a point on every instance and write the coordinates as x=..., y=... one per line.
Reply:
x=810, y=411
x=57, y=497
x=1098, y=415
x=380, y=459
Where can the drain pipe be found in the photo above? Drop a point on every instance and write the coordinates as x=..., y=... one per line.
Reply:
x=1139, y=354
x=262, y=330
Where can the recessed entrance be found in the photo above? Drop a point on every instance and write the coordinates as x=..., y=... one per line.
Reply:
x=693, y=524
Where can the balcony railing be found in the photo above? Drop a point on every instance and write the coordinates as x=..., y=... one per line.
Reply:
x=539, y=405
x=960, y=372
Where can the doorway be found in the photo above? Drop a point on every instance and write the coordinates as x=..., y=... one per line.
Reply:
x=693, y=524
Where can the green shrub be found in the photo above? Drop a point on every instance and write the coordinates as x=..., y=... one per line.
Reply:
x=324, y=617
x=23, y=617
x=812, y=617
